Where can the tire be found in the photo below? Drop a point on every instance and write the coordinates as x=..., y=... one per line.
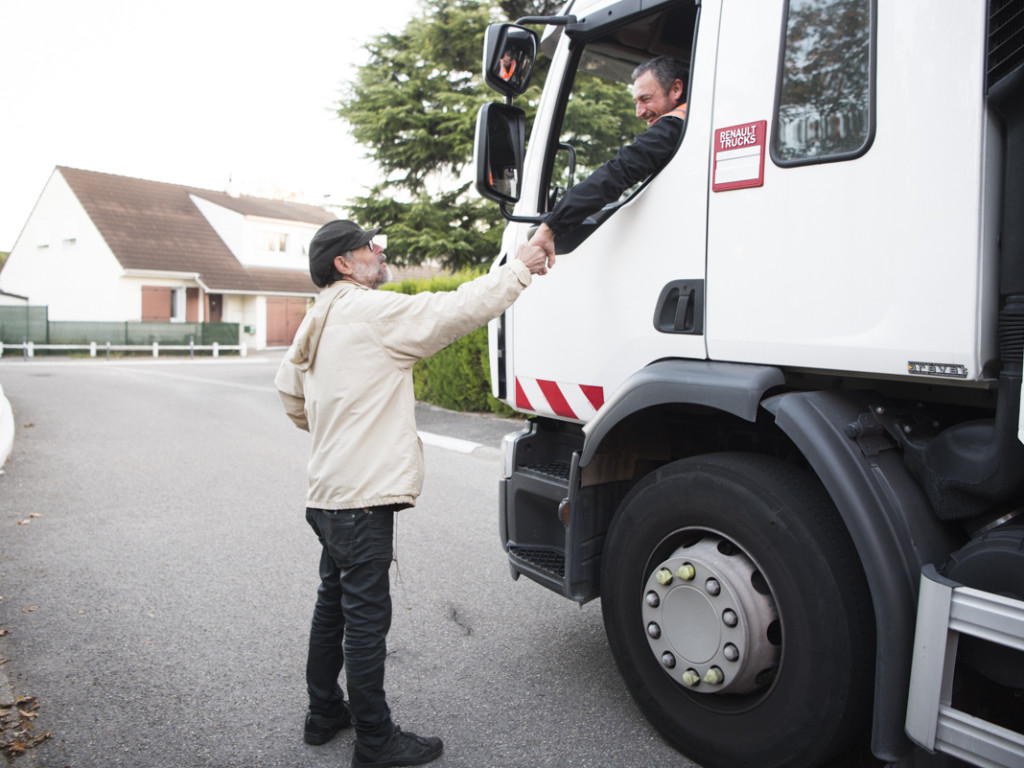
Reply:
x=765, y=542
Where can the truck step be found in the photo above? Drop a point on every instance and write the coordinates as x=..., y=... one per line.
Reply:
x=559, y=470
x=945, y=611
x=549, y=561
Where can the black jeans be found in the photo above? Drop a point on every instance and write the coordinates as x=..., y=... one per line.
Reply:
x=352, y=618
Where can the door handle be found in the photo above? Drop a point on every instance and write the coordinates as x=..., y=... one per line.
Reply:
x=680, y=308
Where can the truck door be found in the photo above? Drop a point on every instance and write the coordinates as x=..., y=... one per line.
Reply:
x=861, y=202
x=628, y=290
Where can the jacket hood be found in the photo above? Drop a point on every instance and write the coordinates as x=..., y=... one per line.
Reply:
x=307, y=338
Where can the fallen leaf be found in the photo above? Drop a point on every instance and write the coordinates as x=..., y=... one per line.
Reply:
x=28, y=609
x=24, y=522
x=34, y=514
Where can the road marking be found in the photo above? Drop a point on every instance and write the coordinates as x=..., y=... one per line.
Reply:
x=449, y=443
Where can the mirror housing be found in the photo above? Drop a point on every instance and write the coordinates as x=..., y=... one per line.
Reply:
x=499, y=150
x=510, y=52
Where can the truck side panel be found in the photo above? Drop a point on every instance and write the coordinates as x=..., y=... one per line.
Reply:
x=824, y=266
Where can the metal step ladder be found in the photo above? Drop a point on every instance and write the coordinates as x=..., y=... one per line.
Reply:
x=945, y=611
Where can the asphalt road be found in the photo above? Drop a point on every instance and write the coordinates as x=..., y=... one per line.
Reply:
x=158, y=593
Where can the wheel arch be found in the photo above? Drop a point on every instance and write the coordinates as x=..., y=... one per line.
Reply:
x=727, y=387
x=868, y=484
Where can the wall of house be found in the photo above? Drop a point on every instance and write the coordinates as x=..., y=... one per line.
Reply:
x=257, y=241
x=251, y=311
x=61, y=261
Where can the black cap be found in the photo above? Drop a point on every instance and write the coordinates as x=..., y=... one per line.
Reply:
x=333, y=239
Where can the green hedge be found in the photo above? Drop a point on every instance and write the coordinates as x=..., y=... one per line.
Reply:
x=458, y=377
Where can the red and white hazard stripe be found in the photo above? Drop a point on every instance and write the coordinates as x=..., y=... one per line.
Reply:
x=556, y=398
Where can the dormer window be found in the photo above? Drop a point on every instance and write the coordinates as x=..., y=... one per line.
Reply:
x=273, y=242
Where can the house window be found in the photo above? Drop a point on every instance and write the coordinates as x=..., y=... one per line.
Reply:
x=274, y=242
x=163, y=305
x=824, y=103
x=157, y=304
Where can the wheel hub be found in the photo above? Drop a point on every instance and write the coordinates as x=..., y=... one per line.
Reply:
x=710, y=619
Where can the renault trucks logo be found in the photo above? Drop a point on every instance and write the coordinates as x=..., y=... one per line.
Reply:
x=945, y=370
x=739, y=156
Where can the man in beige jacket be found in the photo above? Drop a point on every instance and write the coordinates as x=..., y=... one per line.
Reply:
x=347, y=379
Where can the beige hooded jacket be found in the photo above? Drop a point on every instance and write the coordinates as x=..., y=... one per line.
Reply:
x=347, y=379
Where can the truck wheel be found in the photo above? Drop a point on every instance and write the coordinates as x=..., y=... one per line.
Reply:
x=738, y=613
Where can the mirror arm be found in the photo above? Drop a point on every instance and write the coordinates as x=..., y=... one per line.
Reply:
x=555, y=21
x=519, y=219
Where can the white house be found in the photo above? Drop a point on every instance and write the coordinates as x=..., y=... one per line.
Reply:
x=103, y=247
x=12, y=300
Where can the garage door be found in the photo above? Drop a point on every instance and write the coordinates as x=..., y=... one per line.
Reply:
x=283, y=318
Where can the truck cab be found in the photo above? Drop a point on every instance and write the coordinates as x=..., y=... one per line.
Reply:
x=775, y=388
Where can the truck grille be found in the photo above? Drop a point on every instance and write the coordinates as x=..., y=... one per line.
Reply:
x=1005, y=39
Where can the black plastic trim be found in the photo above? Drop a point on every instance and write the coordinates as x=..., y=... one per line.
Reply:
x=892, y=526
x=730, y=387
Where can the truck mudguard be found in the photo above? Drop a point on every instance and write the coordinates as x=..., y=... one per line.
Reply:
x=869, y=483
x=735, y=389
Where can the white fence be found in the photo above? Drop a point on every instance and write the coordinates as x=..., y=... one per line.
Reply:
x=29, y=348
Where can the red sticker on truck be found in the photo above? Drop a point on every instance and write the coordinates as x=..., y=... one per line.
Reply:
x=739, y=156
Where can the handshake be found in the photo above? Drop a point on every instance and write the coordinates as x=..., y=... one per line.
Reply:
x=539, y=253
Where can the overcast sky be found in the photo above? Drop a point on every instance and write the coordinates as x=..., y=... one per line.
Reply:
x=191, y=92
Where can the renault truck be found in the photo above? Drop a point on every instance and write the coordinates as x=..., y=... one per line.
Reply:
x=774, y=391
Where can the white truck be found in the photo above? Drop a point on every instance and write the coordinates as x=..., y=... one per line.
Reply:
x=776, y=390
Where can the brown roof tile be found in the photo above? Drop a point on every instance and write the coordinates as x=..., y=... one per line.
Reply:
x=283, y=281
x=152, y=225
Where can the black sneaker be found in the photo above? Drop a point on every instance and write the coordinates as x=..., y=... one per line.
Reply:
x=400, y=749
x=319, y=730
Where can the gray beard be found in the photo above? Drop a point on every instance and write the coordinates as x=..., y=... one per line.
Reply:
x=370, y=277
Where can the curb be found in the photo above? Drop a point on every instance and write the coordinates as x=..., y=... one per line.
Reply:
x=6, y=428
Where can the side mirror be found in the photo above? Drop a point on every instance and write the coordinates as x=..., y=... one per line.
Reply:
x=499, y=150
x=509, y=55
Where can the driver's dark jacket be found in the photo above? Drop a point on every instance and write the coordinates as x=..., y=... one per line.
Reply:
x=649, y=153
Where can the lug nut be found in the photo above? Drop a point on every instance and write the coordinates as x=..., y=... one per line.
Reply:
x=691, y=679
x=668, y=659
x=652, y=599
x=714, y=676
x=729, y=618
x=654, y=630
x=664, y=576
x=713, y=587
x=686, y=572
x=731, y=652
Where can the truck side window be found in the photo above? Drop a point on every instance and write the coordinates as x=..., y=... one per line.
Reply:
x=599, y=119
x=825, y=95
